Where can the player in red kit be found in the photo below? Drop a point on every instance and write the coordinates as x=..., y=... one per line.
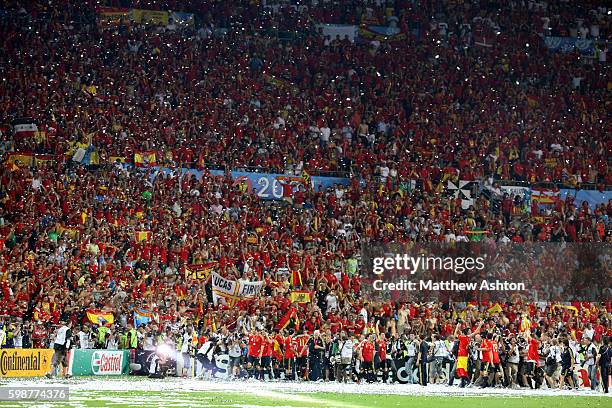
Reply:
x=289, y=357
x=532, y=360
x=254, y=352
x=301, y=354
x=368, y=349
x=383, y=363
x=487, y=359
x=494, y=375
x=266, y=357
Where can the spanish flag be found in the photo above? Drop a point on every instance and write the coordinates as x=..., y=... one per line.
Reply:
x=20, y=159
x=300, y=296
x=278, y=350
x=296, y=278
x=462, y=366
x=145, y=159
x=290, y=319
x=142, y=236
x=97, y=316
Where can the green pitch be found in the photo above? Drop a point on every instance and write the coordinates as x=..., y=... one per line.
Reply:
x=324, y=400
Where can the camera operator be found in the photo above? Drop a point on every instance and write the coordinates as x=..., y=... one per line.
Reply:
x=513, y=358
x=552, y=365
x=345, y=356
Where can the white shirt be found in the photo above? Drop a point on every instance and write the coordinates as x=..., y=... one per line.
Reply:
x=325, y=133
x=148, y=343
x=591, y=351
x=440, y=349
x=18, y=340
x=364, y=314
x=60, y=337
x=555, y=352
x=346, y=350
x=411, y=349
x=514, y=356
x=83, y=340
x=332, y=302
x=36, y=184
x=186, y=342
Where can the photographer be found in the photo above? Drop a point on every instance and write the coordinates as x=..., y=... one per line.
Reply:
x=235, y=356
x=590, y=354
x=513, y=359
x=411, y=347
x=206, y=357
x=552, y=365
x=344, y=357
x=187, y=349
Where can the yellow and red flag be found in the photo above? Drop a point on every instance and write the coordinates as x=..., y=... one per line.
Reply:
x=145, y=159
x=142, y=236
x=199, y=271
x=300, y=296
x=97, y=316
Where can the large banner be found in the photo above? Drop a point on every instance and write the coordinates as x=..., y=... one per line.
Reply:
x=381, y=33
x=182, y=18
x=199, y=271
x=228, y=292
x=339, y=31
x=149, y=16
x=268, y=186
x=113, y=15
x=514, y=191
x=98, y=362
x=279, y=186
x=592, y=197
x=25, y=362
x=569, y=44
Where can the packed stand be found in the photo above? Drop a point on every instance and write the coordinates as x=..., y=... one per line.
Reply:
x=229, y=94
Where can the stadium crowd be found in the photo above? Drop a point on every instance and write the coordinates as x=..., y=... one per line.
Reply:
x=398, y=117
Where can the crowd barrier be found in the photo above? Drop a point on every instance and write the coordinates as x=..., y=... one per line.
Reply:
x=93, y=362
x=25, y=362
x=96, y=362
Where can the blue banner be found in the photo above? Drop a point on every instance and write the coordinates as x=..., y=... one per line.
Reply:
x=268, y=186
x=568, y=44
x=593, y=197
x=322, y=183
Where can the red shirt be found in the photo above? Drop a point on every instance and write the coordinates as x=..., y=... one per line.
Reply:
x=532, y=351
x=289, y=347
x=495, y=349
x=255, y=343
x=367, y=351
x=301, y=348
x=268, y=346
x=464, y=342
x=486, y=353
x=382, y=349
